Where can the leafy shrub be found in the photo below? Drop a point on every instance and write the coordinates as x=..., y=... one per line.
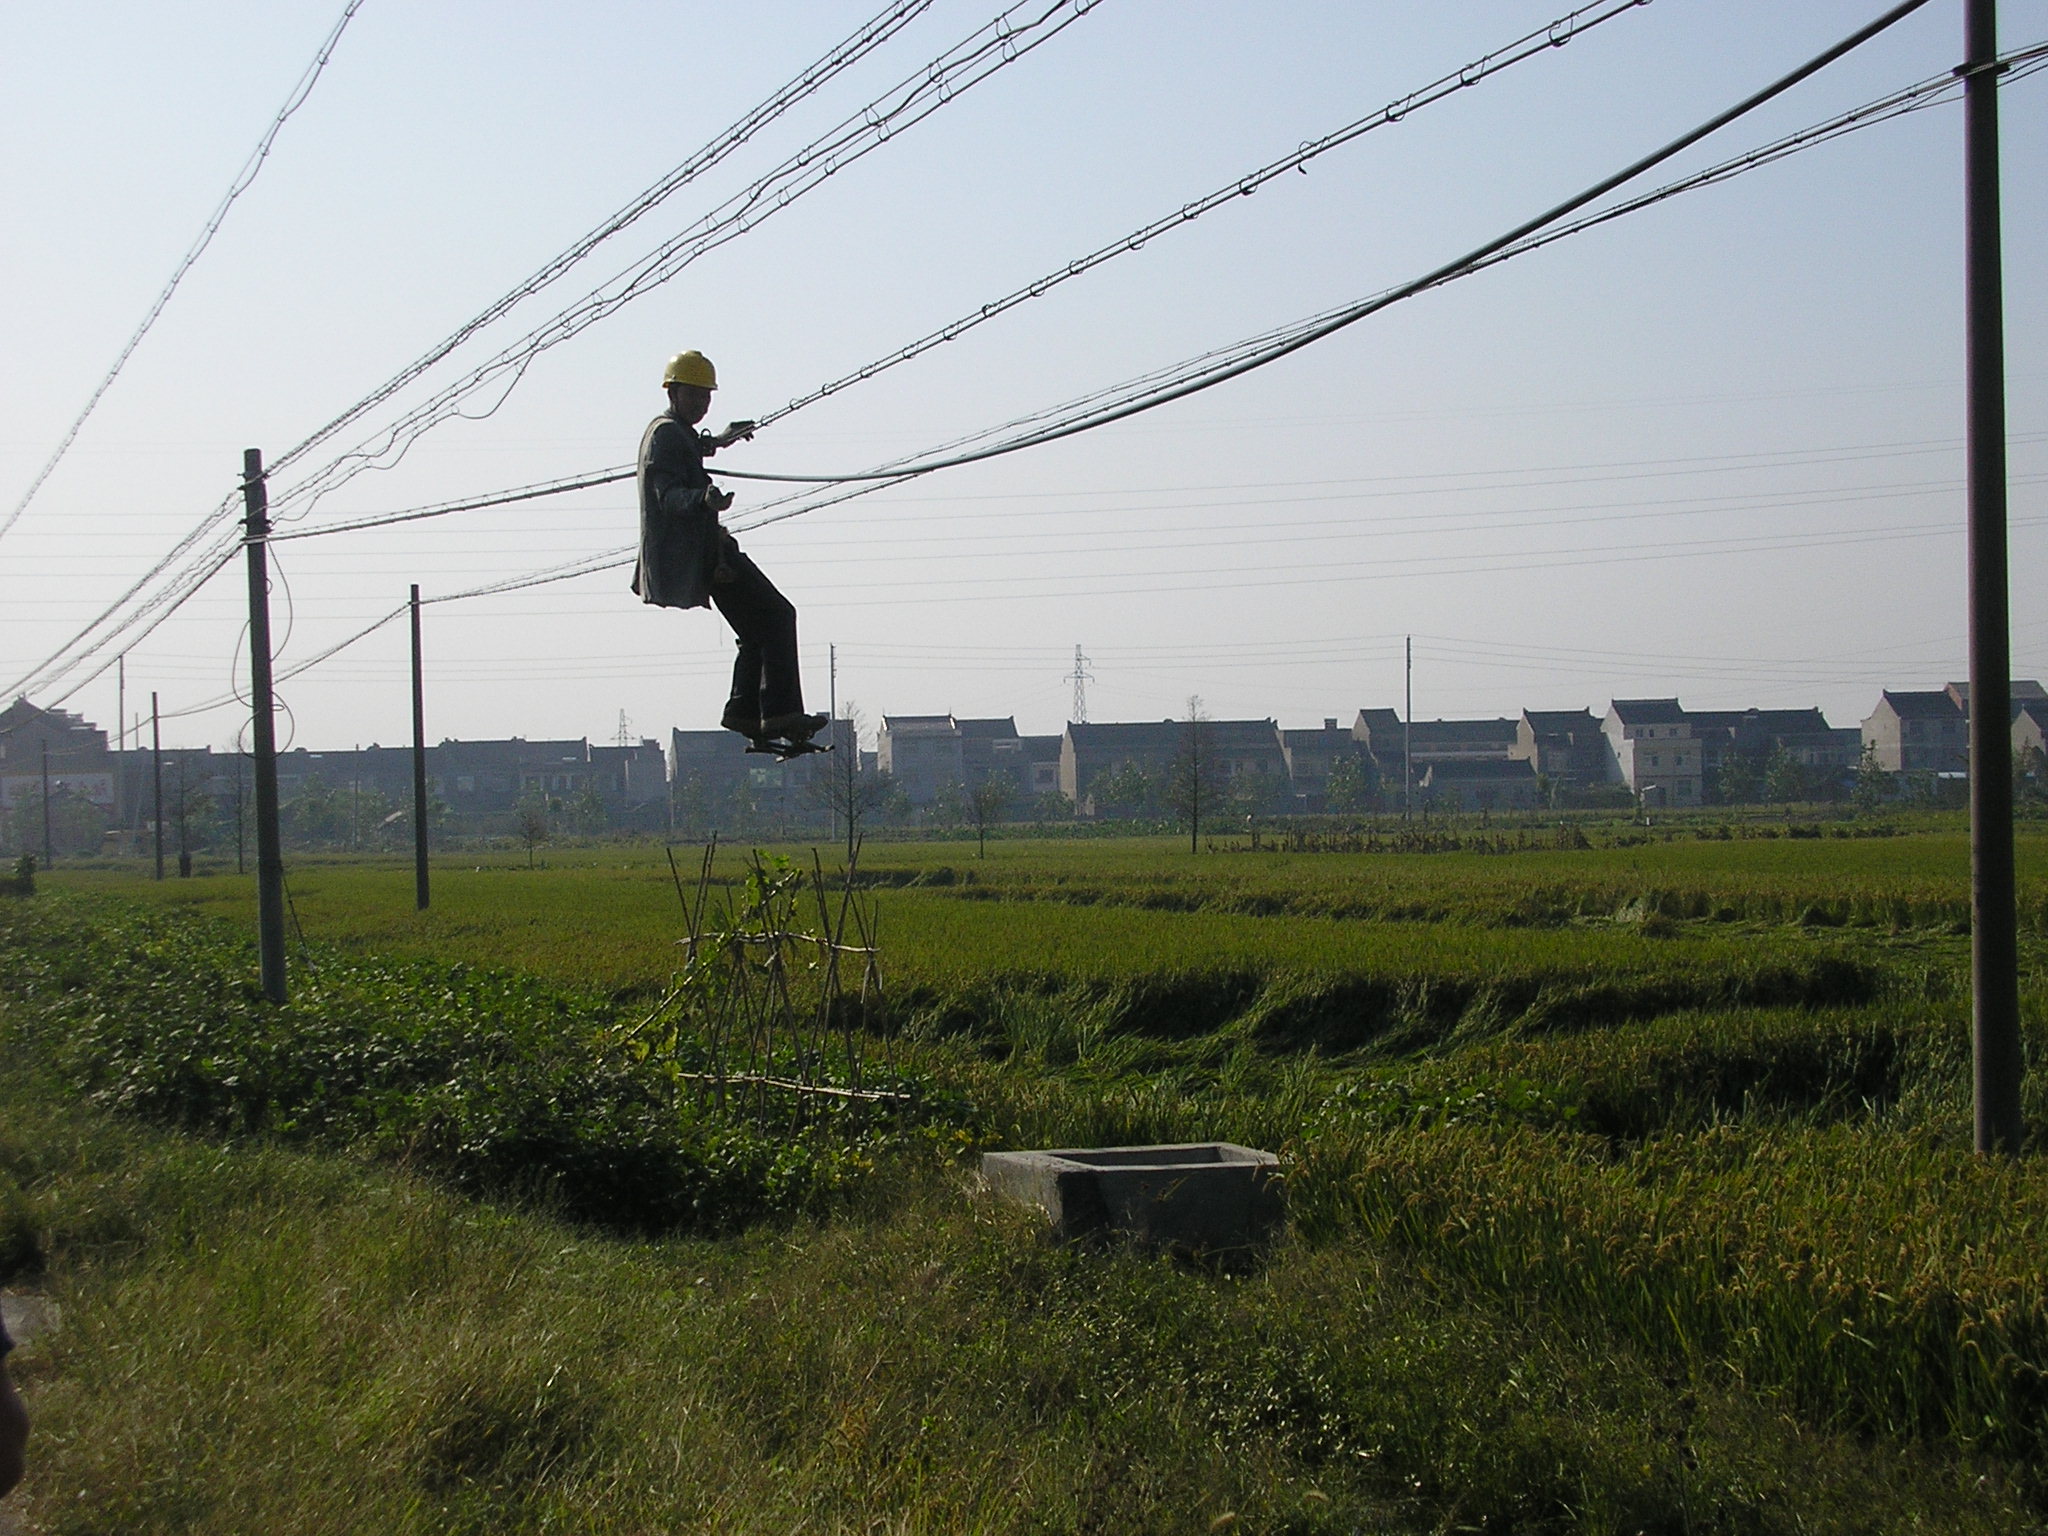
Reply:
x=501, y=1084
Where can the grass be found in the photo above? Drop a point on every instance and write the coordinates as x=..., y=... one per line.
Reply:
x=262, y=1340
x=1631, y=1191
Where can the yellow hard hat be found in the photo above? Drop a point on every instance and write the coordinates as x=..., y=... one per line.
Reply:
x=690, y=368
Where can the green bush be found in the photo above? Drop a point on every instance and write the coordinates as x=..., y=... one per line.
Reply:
x=504, y=1085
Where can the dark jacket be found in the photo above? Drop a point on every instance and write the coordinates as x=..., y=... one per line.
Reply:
x=679, y=536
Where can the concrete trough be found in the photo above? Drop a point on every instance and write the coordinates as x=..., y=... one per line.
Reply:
x=1193, y=1197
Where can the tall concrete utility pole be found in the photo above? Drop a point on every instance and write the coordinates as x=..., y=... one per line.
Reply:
x=263, y=733
x=1994, y=940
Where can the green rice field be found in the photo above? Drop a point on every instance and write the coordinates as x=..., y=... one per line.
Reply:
x=1630, y=1190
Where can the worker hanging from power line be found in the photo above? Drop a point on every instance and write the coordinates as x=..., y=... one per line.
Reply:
x=688, y=560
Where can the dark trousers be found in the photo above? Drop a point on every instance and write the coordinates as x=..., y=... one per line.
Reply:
x=765, y=682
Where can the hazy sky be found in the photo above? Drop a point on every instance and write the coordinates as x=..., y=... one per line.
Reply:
x=1713, y=449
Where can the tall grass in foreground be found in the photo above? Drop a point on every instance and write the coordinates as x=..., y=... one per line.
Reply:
x=1881, y=1284
x=260, y=1341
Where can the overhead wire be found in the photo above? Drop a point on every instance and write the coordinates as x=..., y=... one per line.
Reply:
x=1262, y=351
x=878, y=29
x=1544, y=39
x=242, y=182
x=1501, y=250
x=1241, y=357
x=992, y=48
x=860, y=43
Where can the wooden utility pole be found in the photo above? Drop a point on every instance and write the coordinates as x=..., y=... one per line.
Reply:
x=263, y=733
x=156, y=773
x=1408, y=728
x=419, y=765
x=1994, y=941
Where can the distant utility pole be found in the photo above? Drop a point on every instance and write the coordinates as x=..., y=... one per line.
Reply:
x=1407, y=733
x=625, y=737
x=1081, y=677
x=121, y=701
x=263, y=743
x=832, y=710
x=49, y=851
x=1994, y=941
x=419, y=764
x=156, y=772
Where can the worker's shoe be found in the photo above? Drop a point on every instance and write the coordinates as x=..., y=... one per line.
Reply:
x=794, y=726
x=737, y=719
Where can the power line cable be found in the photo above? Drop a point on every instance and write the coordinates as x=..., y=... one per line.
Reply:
x=1547, y=560
x=1555, y=35
x=242, y=182
x=1495, y=251
x=1260, y=352
x=1213, y=367
x=1254, y=352
x=876, y=32
x=1240, y=356
x=1543, y=39
x=870, y=36
x=985, y=53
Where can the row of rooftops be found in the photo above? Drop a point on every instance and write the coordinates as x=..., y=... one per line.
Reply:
x=1379, y=731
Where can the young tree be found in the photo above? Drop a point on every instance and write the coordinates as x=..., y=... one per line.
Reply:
x=1349, y=788
x=1784, y=779
x=1193, y=784
x=1873, y=785
x=986, y=803
x=951, y=804
x=1737, y=782
x=1051, y=805
x=588, y=810
x=532, y=818
x=1126, y=790
x=318, y=813
x=852, y=796
x=693, y=804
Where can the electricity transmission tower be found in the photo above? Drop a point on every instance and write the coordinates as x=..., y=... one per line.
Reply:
x=1080, y=677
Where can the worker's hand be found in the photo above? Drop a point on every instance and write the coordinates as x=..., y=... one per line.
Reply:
x=716, y=500
x=735, y=432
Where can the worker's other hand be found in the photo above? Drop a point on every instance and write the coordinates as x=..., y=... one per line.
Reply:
x=717, y=500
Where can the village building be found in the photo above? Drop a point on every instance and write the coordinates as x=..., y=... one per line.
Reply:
x=1918, y=732
x=1564, y=747
x=1314, y=755
x=931, y=755
x=1479, y=784
x=1652, y=750
x=75, y=752
x=1244, y=757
